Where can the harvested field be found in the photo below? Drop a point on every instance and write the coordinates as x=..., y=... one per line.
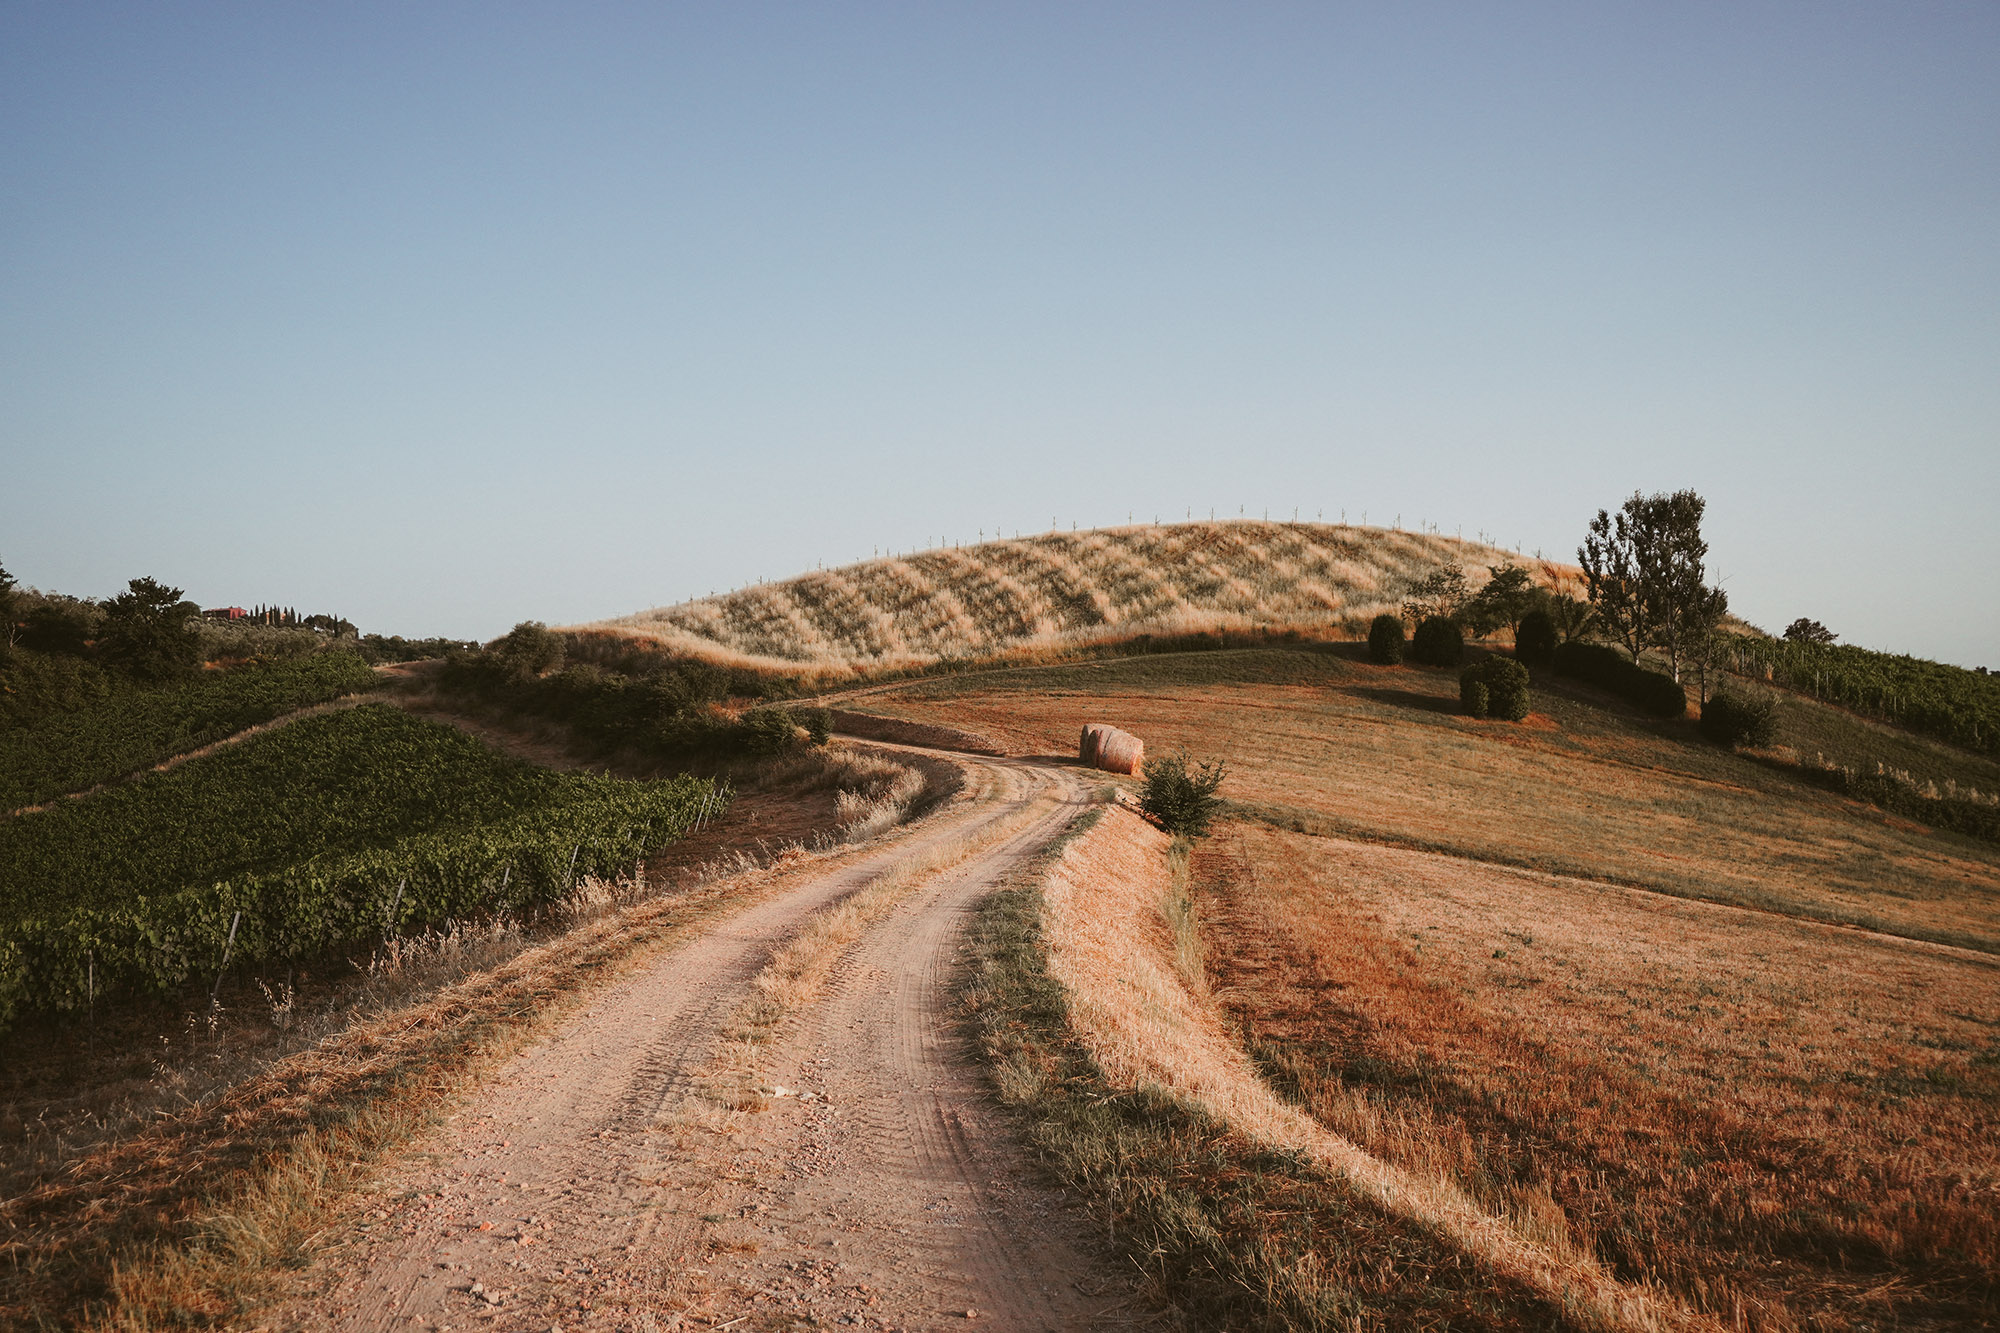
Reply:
x=1323, y=742
x=1061, y=589
x=1778, y=1121
x=1585, y=976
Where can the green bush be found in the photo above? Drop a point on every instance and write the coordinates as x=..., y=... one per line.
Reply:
x=1536, y=640
x=1385, y=640
x=1438, y=642
x=1739, y=719
x=1609, y=669
x=1495, y=686
x=1180, y=799
x=818, y=723
x=771, y=731
x=527, y=650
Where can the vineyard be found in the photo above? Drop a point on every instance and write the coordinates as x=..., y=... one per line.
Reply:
x=134, y=729
x=1948, y=702
x=338, y=829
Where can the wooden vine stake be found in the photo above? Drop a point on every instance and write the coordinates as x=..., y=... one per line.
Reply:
x=227, y=948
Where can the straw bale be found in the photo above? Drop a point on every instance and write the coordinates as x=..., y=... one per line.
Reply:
x=1119, y=751
x=1086, y=746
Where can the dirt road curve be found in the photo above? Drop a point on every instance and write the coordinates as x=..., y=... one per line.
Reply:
x=600, y=1180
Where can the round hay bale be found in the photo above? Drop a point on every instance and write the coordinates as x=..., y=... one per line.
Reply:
x=1120, y=751
x=1086, y=746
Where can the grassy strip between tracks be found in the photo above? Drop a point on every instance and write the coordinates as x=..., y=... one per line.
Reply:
x=1236, y=1235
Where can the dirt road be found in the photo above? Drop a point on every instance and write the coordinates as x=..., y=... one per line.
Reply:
x=645, y=1168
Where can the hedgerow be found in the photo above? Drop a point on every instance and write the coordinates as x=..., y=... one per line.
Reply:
x=1607, y=668
x=133, y=729
x=335, y=830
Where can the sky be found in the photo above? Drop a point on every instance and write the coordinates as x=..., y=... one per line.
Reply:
x=444, y=317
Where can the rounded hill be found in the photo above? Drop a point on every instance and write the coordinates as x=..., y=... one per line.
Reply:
x=1063, y=589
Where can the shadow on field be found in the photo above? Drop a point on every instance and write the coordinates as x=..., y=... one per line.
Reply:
x=1428, y=703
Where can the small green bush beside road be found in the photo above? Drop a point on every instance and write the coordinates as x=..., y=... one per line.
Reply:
x=1179, y=798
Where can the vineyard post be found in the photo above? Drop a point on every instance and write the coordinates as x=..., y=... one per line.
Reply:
x=389, y=927
x=570, y=874
x=90, y=990
x=228, y=947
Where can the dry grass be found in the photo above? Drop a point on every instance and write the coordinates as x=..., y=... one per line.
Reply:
x=1325, y=742
x=1115, y=954
x=1234, y=1235
x=1785, y=1124
x=1738, y=1112
x=1060, y=590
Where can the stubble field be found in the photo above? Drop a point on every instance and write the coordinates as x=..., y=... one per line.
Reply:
x=1736, y=1038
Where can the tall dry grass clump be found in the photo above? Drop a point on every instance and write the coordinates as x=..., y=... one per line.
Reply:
x=1062, y=590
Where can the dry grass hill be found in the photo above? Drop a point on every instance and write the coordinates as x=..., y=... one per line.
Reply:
x=1060, y=590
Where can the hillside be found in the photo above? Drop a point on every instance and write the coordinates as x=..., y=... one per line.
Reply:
x=1062, y=589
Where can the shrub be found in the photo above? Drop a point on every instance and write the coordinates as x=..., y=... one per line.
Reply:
x=1657, y=693
x=771, y=731
x=1739, y=719
x=527, y=650
x=1438, y=642
x=1179, y=799
x=1607, y=668
x=1495, y=687
x=1536, y=640
x=1385, y=640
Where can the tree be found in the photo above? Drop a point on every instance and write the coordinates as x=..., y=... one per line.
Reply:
x=7, y=626
x=1442, y=592
x=1646, y=574
x=1803, y=630
x=150, y=633
x=1508, y=595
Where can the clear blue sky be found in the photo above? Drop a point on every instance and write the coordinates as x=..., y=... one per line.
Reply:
x=445, y=317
